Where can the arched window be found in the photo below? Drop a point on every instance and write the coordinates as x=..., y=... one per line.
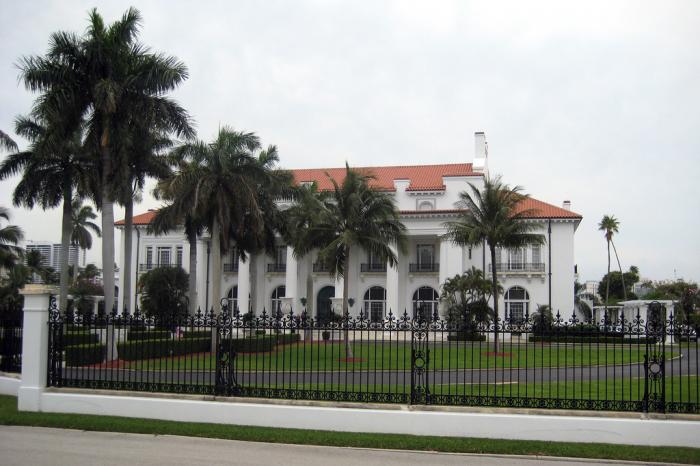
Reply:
x=517, y=301
x=232, y=298
x=277, y=296
x=425, y=303
x=426, y=205
x=375, y=303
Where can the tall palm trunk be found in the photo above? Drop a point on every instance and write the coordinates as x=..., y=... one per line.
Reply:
x=622, y=275
x=346, y=315
x=494, y=281
x=128, y=240
x=107, y=206
x=607, y=286
x=216, y=264
x=192, y=240
x=66, y=230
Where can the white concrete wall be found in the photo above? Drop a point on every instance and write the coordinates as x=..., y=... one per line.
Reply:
x=9, y=385
x=399, y=420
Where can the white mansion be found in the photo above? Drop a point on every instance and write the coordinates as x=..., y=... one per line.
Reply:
x=426, y=197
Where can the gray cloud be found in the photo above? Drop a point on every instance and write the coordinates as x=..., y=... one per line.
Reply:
x=589, y=101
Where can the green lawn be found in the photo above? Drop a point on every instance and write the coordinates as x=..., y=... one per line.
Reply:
x=397, y=356
x=10, y=416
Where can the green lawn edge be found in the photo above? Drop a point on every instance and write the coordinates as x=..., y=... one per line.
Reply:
x=11, y=417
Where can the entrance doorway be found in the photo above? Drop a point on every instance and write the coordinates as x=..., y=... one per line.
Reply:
x=324, y=309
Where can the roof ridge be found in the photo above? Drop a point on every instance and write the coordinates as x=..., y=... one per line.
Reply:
x=386, y=166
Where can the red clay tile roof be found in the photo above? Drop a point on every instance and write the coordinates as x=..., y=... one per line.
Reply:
x=422, y=177
x=538, y=209
x=142, y=219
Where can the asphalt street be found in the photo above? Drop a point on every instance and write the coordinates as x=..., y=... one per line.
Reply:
x=40, y=446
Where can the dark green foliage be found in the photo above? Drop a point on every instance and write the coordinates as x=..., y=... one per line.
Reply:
x=148, y=335
x=197, y=334
x=163, y=292
x=82, y=355
x=616, y=292
x=602, y=338
x=260, y=344
x=149, y=349
x=79, y=338
x=83, y=291
x=466, y=336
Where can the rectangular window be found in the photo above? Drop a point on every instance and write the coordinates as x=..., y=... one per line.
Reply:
x=515, y=257
x=426, y=256
x=234, y=256
x=149, y=256
x=163, y=257
x=536, y=255
x=178, y=257
x=281, y=255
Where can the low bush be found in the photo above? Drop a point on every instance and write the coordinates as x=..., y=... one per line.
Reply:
x=149, y=349
x=590, y=339
x=197, y=334
x=135, y=335
x=79, y=338
x=82, y=355
x=260, y=343
x=466, y=336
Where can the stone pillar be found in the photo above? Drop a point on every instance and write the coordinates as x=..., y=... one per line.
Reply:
x=337, y=301
x=291, y=278
x=392, y=286
x=35, y=345
x=244, y=284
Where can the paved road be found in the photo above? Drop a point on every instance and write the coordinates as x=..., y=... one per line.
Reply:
x=38, y=446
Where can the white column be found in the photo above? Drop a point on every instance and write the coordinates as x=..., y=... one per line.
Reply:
x=392, y=286
x=244, y=284
x=337, y=300
x=35, y=346
x=121, y=303
x=291, y=282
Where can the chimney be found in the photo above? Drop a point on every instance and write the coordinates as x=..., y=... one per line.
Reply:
x=481, y=153
x=566, y=205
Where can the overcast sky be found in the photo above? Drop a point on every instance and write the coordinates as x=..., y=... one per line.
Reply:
x=596, y=102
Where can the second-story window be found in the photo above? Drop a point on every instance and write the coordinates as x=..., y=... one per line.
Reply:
x=281, y=255
x=149, y=257
x=426, y=256
x=178, y=256
x=536, y=254
x=163, y=257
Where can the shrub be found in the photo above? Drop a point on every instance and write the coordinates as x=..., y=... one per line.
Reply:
x=590, y=339
x=197, y=334
x=164, y=292
x=259, y=344
x=149, y=349
x=134, y=335
x=79, y=338
x=82, y=355
x=466, y=336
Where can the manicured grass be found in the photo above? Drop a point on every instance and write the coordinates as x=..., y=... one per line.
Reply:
x=397, y=356
x=10, y=416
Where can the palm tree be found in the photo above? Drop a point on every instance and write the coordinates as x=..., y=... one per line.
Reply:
x=610, y=225
x=81, y=224
x=7, y=143
x=227, y=186
x=139, y=159
x=106, y=77
x=53, y=168
x=493, y=215
x=10, y=237
x=353, y=215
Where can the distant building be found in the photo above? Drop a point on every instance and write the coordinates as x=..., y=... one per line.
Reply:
x=51, y=254
x=590, y=287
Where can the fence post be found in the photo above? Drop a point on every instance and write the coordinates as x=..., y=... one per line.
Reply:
x=35, y=345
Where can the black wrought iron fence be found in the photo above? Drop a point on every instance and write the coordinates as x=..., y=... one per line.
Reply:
x=11, y=339
x=628, y=363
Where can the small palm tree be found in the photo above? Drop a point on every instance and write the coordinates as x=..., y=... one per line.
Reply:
x=353, y=215
x=229, y=186
x=610, y=225
x=10, y=237
x=52, y=169
x=493, y=215
x=81, y=222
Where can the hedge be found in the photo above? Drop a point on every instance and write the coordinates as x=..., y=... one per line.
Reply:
x=82, y=355
x=149, y=349
x=260, y=343
x=135, y=335
x=591, y=339
x=197, y=334
x=466, y=336
x=79, y=338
